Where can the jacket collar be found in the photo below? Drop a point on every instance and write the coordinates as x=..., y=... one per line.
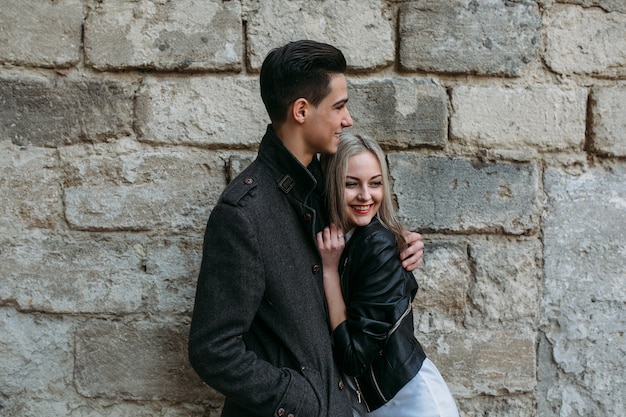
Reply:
x=291, y=176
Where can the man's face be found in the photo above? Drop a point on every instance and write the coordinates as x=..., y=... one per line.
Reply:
x=326, y=122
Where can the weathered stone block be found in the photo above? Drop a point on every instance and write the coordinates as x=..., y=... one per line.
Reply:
x=206, y=111
x=484, y=361
x=36, y=354
x=545, y=118
x=515, y=405
x=140, y=189
x=585, y=288
x=585, y=41
x=136, y=361
x=181, y=35
x=172, y=268
x=30, y=181
x=360, y=29
x=59, y=112
x=608, y=124
x=24, y=40
x=62, y=274
x=444, y=280
x=400, y=112
x=507, y=282
x=607, y=5
x=463, y=36
x=461, y=195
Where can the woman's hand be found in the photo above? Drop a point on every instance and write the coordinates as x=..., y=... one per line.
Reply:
x=330, y=242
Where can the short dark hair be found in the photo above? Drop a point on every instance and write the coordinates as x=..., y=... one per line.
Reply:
x=299, y=69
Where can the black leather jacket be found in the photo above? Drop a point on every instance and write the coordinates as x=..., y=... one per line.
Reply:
x=376, y=344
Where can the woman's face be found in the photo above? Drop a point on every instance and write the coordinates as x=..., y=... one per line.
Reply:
x=364, y=188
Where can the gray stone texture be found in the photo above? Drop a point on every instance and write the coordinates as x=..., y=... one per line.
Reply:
x=174, y=111
x=608, y=121
x=30, y=186
x=25, y=40
x=543, y=118
x=58, y=111
x=442, y=194
x=585, y=290
x=164, y=35
x=585, y=41
x=607, y=5
x=132, y=188
x=36, y=354
x=468, y=36
x=144, y=361
x=401, y=112
x=485, y=362
x=359, y=28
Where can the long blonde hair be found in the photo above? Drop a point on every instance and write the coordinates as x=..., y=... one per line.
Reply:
x=335, y=170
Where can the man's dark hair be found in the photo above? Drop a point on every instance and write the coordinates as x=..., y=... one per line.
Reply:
x=300, y=69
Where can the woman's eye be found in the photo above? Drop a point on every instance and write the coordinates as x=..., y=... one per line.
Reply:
x=376, y=184
x=350, y=184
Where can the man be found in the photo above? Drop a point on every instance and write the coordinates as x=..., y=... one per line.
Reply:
x=259, y=331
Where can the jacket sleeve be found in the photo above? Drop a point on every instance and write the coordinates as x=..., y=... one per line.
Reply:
x=229, y=290
x=377, y=299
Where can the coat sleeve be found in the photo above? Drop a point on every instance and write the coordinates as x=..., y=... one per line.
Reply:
x=229, y=290
x=377, y=299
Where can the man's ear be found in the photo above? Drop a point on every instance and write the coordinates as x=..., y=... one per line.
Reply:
x=299, y=110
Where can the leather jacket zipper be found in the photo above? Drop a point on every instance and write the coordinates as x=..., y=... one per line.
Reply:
x=359, y=396
x=378, y=390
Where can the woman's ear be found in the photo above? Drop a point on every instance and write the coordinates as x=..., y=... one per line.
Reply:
x=299, y=110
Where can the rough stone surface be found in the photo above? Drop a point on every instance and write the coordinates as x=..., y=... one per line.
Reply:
x=181, y=35
x=35, y=354
x=608, y=124
x=461, y=36
x=444, y=281
x=607, y=5
x=140, y=189
x=174, y=111
x=56, y=112
x=401, y=113
x=70, y=275
x=506, y=285
x=585, y=290
x=139, y=361
x=359, y=28
x=30, y=186
x=585, y=41
x=484, y=362
x=544, y=118
x=24, y=40
x=461, y=195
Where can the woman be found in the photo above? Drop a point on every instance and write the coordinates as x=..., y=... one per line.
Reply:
x=369, y=294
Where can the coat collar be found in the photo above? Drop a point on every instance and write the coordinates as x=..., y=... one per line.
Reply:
x=291, y=176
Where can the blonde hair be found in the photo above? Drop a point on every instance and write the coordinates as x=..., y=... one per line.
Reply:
x=335, y=170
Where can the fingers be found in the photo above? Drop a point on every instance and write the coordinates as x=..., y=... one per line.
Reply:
x=330, y=238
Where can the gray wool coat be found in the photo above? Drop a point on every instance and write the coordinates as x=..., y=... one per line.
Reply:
x=259, y=331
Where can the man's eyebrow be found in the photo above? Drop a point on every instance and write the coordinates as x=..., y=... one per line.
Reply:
x=342, y=101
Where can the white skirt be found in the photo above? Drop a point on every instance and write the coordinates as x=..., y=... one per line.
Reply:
x=426, y=395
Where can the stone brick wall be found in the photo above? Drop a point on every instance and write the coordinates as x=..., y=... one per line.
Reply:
x=505, y=125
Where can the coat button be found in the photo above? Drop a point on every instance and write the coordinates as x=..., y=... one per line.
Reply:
x=280, y=412
x=308, y=217
x=316, y=268
x=341, y=385
x=248, y=181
